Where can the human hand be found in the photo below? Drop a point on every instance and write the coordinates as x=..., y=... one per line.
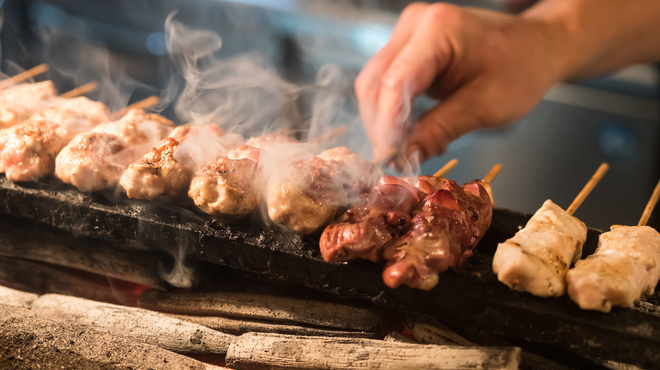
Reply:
x=487, y=68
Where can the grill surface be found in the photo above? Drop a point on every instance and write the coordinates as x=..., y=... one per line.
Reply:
x=470, y=297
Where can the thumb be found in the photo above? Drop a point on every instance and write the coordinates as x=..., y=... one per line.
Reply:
x=436, y=129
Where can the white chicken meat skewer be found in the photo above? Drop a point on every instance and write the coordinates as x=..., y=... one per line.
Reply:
x=625, y=265
x=538, y=257
x=28, y=150
x=168, y=168
x=95, y=160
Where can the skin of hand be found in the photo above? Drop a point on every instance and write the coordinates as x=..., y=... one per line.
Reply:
x=488, y=69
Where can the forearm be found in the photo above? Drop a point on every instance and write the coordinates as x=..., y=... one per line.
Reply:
x=598, y=36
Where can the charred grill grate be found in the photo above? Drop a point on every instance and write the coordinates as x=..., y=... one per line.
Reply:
x=469, y=298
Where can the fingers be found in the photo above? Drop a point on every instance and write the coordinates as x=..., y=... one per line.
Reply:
x=452, y=118
x=418, y=52
x=368, y=82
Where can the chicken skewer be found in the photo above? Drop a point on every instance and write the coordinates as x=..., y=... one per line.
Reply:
x=34, y=71
x=20, y=102
x=228, y=185
x=378, y=216
x=96, y=159
x=169, y=167
x=309, y=194
x=443, y=233
x=28, y=150
x=625, y=265
x=538, y=257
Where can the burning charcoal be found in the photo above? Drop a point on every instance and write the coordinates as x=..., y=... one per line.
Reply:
x=256, y=351
x=263, y=307
x=137, y=324
x=12, y=297
x=29, y=340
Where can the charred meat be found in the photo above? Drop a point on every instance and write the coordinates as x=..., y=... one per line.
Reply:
x=444, y=231
x=376, y=218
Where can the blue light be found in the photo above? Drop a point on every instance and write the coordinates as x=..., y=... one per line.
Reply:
x=370, y=39
x=156, y=43
x=618, y=140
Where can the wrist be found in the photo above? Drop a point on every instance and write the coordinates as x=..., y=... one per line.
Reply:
x=559, y=33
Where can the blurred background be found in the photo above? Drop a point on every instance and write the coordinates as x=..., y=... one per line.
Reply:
x=550, y=153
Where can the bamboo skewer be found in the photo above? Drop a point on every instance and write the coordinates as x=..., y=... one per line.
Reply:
x=24, y=76
x=492, y=174
x=587, y=188
x=80, y=90
x=142, y=104
x=330, y=135
x=446, y=168
x=650, y=206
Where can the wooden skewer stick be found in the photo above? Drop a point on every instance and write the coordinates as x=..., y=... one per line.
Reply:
x=446, y=168
x=41, y=68
x=600, y=172
x=80, y=90
x=381, y=160
x=650, y=205
x=492, y=173
x=142, y=104
x=330, y=135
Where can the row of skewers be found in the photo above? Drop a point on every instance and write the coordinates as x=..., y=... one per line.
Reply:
x=420, y=225
x=538, y=258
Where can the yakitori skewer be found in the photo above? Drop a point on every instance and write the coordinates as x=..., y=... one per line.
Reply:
x=443, y=234
x=626, y=265
x=28, y=149
x=378, y=216
x=41, y=68
x=80, y=90
x=330, y=135
x=537, y=258
x=142, y=104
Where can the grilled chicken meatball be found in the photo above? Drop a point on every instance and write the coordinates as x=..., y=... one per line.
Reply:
x=96, y=160
x=309, y=195
x=18, y=103
x=537, y=258
x=28, y=150
x=625, y=266
x=168, y=168
x=228, y=185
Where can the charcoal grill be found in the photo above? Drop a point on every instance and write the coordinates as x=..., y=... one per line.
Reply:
x=469, y=298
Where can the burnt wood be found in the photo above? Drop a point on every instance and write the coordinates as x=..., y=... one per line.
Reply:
x=471, y=297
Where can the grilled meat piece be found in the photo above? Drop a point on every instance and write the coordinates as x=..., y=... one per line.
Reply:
x=537, y=258
x=95, y=160
x=625, y=266
x=228, y=185
x=168, y=168
x=18, y=103
x=376, y=218
x=311, y=192
x=443, y=233
x=28, y=150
